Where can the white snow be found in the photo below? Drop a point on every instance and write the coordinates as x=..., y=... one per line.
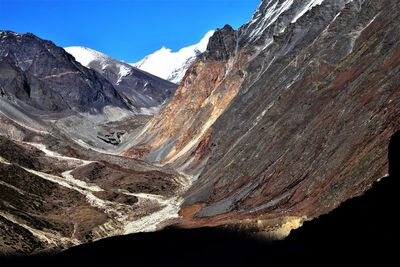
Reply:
x=85, y=56
x=272, y=14
x=163, y=63
x=273, y=11
x=306, y=8
x=123, y=71
x=171, y=65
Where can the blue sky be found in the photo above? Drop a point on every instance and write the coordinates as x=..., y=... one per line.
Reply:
x=123, y=29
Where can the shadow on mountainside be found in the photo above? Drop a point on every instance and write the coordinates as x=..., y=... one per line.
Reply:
x=362, y=231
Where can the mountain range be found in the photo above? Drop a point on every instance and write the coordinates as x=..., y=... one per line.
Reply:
x=143, y=90
x=273, y=125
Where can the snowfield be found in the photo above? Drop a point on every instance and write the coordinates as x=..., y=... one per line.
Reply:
x=85, y=56
x=170, y=65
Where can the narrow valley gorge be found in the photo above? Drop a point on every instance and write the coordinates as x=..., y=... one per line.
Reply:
x=277, y=123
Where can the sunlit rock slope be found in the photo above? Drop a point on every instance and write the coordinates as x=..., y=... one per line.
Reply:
x=285, y=118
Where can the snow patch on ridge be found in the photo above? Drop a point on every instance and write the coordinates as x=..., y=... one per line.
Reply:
x=86, y=56
x=171, y=65
x=307, y=8
x=272, y=14
x=267, y=15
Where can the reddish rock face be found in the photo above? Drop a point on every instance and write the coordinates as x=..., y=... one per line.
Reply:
x=181, y=131
x=285, y=119
x=313, y=131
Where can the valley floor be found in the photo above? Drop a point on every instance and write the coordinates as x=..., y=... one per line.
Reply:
x=57, y=192
x=360, y=232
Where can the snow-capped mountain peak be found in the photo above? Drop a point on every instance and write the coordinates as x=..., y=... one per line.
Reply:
x=87, y=56
x=171, y=65
x=142, y=89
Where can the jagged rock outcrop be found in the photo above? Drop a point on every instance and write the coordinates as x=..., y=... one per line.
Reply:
x=113, y=138
x=222, y=44
x=289, y=122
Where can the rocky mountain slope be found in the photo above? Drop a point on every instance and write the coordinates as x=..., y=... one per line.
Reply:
x=172, y=66
x=285, y=118
x=38, y=73
x=142, y=89
x=276, y=123
x=61, y=183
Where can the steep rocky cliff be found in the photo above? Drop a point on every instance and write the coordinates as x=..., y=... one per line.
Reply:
x=42, y=75
x=287, y=117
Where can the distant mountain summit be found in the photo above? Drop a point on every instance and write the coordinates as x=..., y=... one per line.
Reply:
x=142, y=89
x=172, y=66
x=91, y=58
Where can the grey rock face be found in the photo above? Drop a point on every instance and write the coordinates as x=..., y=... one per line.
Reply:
x=310, y=125
x=113, y=138
x=44, y=75
x=222, y=44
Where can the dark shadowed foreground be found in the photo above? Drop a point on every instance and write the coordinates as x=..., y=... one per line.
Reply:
x=362, y=231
